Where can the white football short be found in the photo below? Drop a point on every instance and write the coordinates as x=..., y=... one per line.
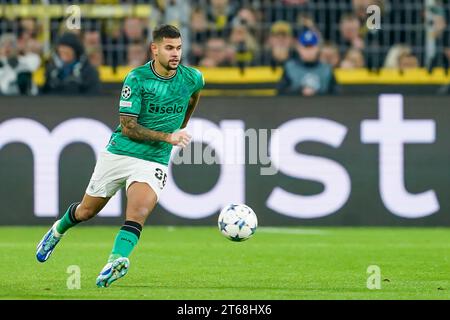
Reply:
x=113, y=171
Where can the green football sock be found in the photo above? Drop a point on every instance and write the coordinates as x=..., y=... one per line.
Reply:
x=126, y=240
x=68, y=220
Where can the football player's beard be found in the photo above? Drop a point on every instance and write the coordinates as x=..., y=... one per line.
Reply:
x=168, y=67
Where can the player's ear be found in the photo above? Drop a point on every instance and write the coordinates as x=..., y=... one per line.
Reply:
x=154, y=49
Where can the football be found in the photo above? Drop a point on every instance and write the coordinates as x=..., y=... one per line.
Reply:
x=237, y=222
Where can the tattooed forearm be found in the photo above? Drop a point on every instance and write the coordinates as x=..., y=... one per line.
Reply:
x=135, y=131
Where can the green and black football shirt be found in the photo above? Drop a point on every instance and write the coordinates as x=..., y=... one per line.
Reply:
x=159, y=104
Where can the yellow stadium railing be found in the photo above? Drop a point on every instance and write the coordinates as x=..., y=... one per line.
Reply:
x=256, y=75
x=417, y=76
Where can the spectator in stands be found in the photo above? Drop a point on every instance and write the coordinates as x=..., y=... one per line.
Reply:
x=199, y=35
x=95, y=56
x=280, y=45
x=69, y=71
x=16, y=68
x=114, y=43
x=439, y=23
x=63, y=28
x=217, y=54
x=304, y=22
x=350, y=36
x=329, y=53
x=407, y=61
x=447, y=57
x=92, y=38
x=244, y=44
x=353, y=59
x=27, y=41
x=307, y=76
x=93, y=47
x=442, y=57
x=119, y=35
x=360, y=8
x=442, y=36
x=248, y=17
x=394, y=53
x=137, y=55
x=375, y=40
x=134, y=30
x=220, y=14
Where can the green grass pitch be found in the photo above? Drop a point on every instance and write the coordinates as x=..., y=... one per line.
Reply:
x=199, y=263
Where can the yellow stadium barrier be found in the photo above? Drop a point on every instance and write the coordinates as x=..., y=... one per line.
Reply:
x=418, y=76
x=255, y=75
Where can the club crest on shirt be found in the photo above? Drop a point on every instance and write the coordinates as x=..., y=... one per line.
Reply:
x=126, y=92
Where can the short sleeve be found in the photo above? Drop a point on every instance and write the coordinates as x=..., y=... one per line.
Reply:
x=200, y=81
x=130, y=97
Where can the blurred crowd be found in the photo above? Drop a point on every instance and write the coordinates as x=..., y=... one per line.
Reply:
x=308, y=38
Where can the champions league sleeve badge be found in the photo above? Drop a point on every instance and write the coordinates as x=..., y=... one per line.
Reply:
x=126, y=92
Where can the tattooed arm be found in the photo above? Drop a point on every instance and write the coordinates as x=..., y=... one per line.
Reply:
x=135, y=131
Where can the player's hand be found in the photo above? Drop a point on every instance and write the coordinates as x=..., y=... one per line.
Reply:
x=180, y=139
